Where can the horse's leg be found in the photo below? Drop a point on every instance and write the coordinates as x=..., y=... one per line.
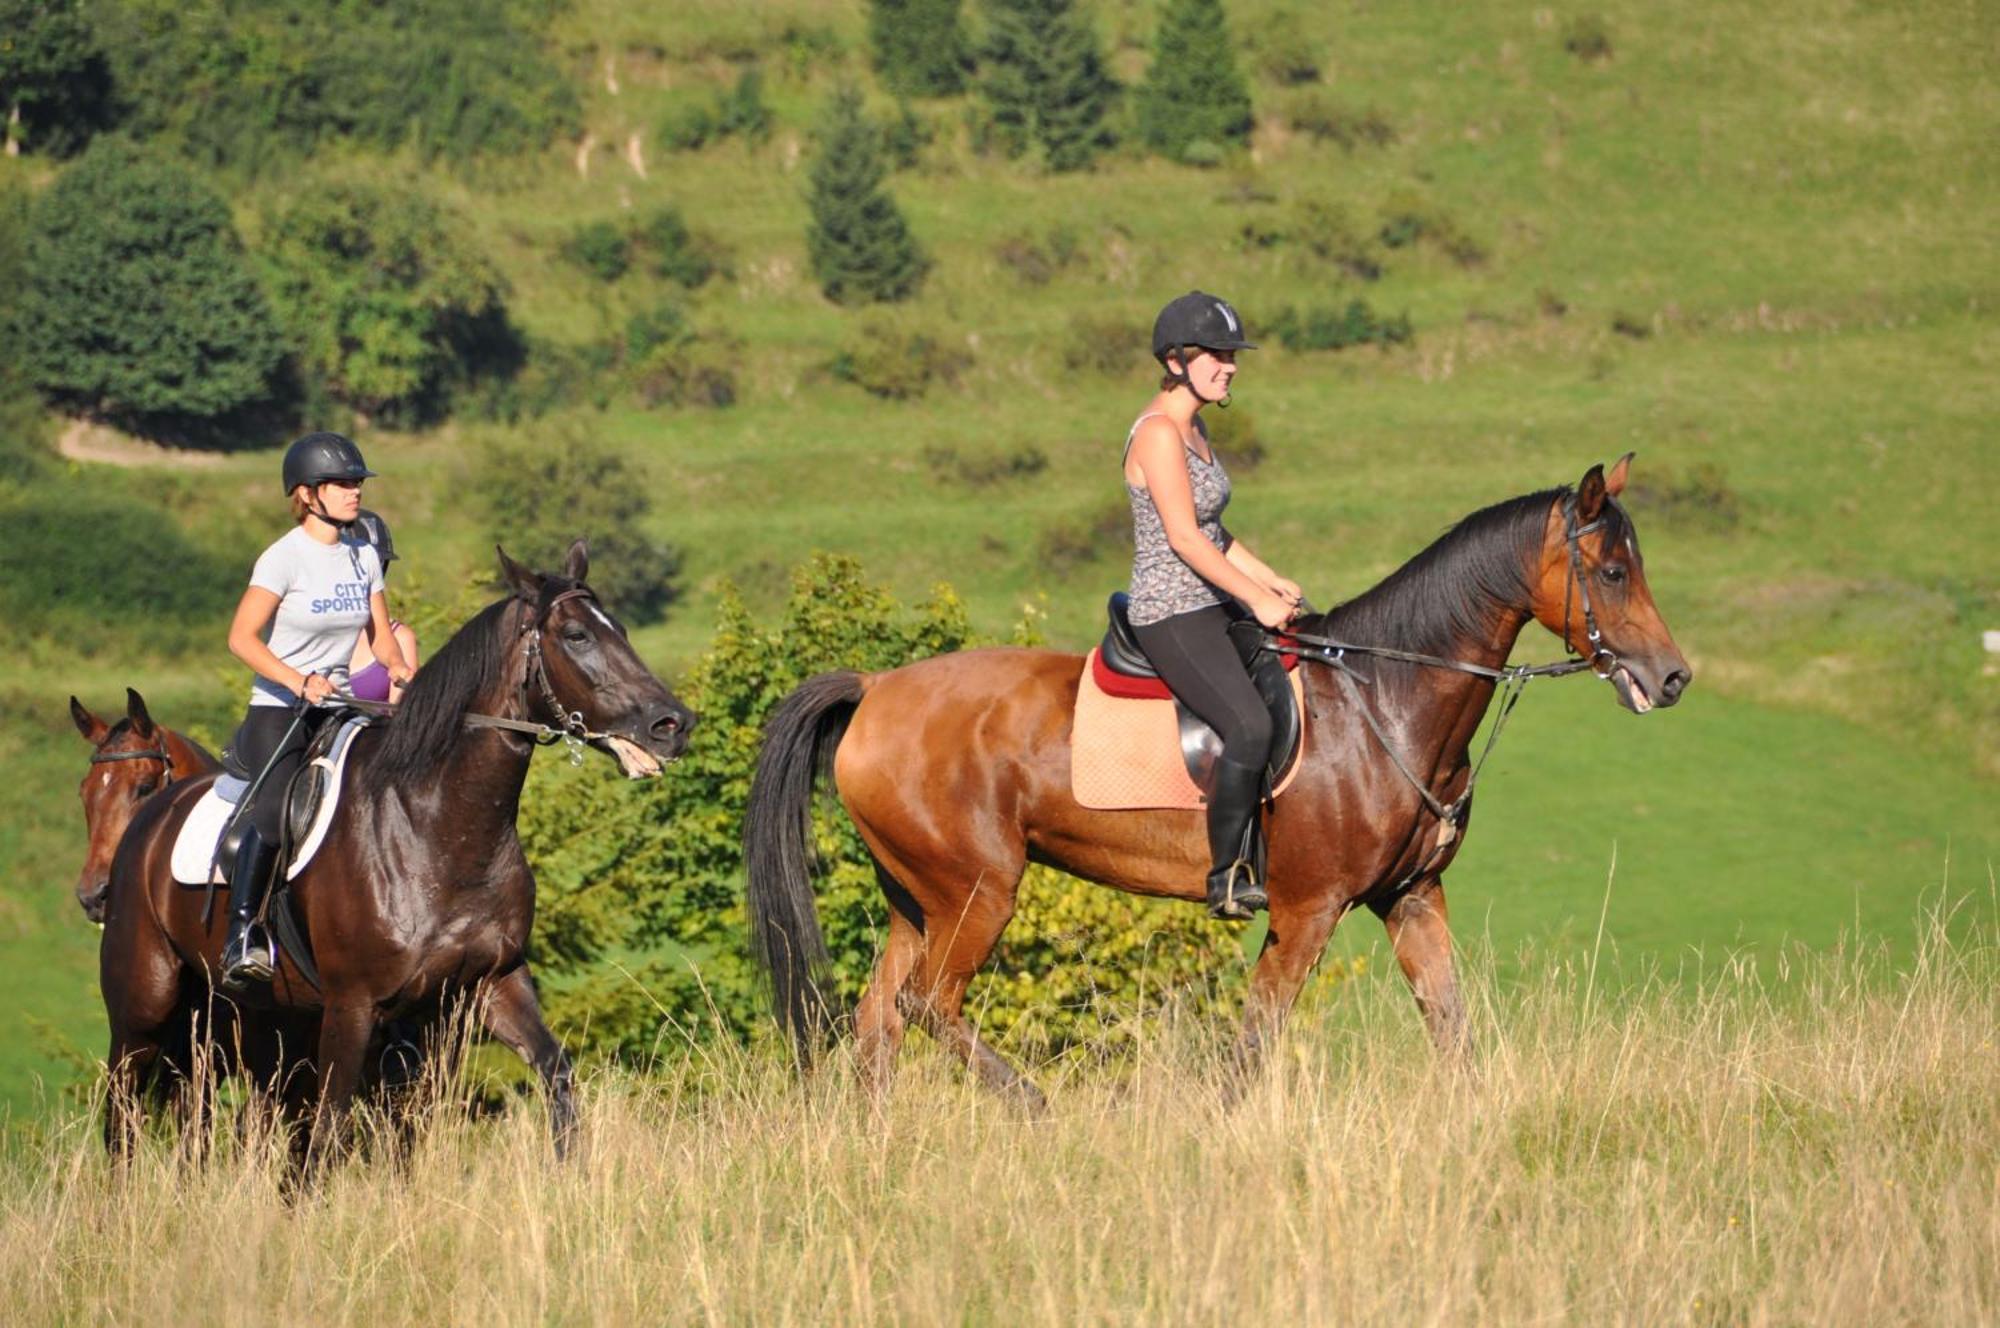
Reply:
x=346, y=1031
x=132, y=1063
x=878, y=1023
x=957, y=942
x=511, y=1013
x=1296, y=939
x=1417, y=929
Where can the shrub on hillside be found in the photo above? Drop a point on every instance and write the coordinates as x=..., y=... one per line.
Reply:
x=861, y=248
x=894, y=358
x=1588, y=38
x=140, y=304
x=1107, y=343
x=385, y=297
x=692, y=122
x=1194, y=104
x=538, y=492
x=980, y=470
x=1036, y=259
x=1408, y=220
x=669, y=249
x=661, y=871
x=1327, y=231
x=599, y=248
x=1328, y=328
x=1284, y=52
x=1070, y=543
x=1328, y=121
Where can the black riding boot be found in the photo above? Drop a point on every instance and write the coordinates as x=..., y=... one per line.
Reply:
x=1236, y=841
x=246, y=957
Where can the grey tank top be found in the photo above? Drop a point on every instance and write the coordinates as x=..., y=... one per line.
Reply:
x=1162, y=584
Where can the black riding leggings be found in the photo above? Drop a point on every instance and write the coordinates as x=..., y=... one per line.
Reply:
x=256, y=740
x=1208, y=668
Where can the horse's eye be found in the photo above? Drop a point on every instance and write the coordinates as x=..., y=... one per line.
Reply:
x=576, y=636
x=1612, y=573
x=146, y=789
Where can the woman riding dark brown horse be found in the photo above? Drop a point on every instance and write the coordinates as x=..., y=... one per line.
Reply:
x=420, y=894
x=956, y=771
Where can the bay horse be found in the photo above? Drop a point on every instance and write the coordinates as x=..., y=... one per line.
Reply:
x=130, y=760
x=420, y=894
x=956, y=771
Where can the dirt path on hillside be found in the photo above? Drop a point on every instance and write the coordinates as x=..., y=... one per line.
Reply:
x=84, y=441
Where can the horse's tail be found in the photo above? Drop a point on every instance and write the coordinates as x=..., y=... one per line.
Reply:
x=777, y=851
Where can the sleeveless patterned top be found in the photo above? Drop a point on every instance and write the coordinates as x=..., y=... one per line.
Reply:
x=1162, y=584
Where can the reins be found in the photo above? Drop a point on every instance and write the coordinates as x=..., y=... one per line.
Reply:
x=573, y=732
x=1512, y=680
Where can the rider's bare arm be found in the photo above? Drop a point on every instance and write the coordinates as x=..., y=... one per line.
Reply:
x=246, y=641
x=1160, y=457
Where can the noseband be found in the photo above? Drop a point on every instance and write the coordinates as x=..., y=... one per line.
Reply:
x=1573, y=534
x=143, y=754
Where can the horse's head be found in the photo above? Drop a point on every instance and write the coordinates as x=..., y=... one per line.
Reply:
x=1592, y=593
x=583, y=674
x=129, y=763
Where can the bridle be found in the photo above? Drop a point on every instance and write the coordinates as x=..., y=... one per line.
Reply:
x=1512, y=679
x=156, y=753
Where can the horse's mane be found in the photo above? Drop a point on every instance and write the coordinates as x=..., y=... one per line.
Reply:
x=431, y=716
x=1456, y=589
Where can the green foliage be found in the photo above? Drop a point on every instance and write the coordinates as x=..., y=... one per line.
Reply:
x=655, y=870
x=1107, y=342
x=139, y=303
x=1328, y=232
x=861, y=248
x=539, y=492
x=599, y=248
x=1588, y=38
x=1408, y=219
x=1327, y=328
x=383, y=294
x=55, y=89
x=1330, y=121
x=671, y=250
x=691, y=123
x=246, y=84
x=1194, y=103
x=1036, y=260
x=1284, y=53
x=1043, y=78
x=22, y=454
x=898, y=359
x=919, y=46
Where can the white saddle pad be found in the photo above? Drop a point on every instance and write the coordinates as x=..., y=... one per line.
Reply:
x=193, y=858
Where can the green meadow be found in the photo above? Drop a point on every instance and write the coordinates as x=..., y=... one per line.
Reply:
x=1755, y=245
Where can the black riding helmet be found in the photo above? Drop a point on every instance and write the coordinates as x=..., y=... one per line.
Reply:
x=376, y=531
x=1197, y=319
x=319, y=457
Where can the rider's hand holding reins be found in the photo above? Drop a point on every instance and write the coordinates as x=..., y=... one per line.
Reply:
x=316, y=688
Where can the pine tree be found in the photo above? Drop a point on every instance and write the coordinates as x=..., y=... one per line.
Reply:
x=919, y=46
x=55, y=89
x=1193, y=93
x=860, y=245
x=1044, y=78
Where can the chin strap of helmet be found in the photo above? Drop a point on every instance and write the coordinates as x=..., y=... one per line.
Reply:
x=318, y=509
x=1179, y=377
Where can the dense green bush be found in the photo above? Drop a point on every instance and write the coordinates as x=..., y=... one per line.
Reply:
x=861, y=248
x=140, y=304
x=55, y=88
x=538, y=492
x=919, y=46
x=1193, y=104
x=1328, y=328
x=671, y=250
x=384, y=295
x=898, y=359
x=653, y=872
x=1037, y=259
x=246, y=83
x=1044, y=81
x=1408, y=219
x=599, y=248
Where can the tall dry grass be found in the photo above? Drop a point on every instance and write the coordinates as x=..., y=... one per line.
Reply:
x=1816, y=1142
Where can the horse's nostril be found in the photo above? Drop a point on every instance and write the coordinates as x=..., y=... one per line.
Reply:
x=1673, y=684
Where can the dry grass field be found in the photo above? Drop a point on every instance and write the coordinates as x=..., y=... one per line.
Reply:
x=1814, y=1142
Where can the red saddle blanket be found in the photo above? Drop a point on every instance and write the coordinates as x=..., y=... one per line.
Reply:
x=1125, y=744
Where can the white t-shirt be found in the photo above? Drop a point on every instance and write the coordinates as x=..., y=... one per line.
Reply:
x=323, y=592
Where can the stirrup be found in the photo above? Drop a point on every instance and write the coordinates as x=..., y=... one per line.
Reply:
x=256, y=958
x=1239, y=903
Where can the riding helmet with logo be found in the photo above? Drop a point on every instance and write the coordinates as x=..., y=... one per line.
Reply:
x=319, y=457
x=376, y=531
x=1198, y=319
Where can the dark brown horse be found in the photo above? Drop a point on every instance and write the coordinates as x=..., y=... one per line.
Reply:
x=420, y=895
x=956, y=771
x=131, y=759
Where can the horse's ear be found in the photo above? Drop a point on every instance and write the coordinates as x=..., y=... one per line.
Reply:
x=1590, y=495
x=1614, y=483
x=577, y=566
x=135, y=710
x=90, y=726
x=525, y=582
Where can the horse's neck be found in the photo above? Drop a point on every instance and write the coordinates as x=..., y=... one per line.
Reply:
x=487, y=767
x=189, y=757
x=1437, y=710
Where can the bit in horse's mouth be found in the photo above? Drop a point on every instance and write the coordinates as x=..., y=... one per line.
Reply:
x=1630, y=692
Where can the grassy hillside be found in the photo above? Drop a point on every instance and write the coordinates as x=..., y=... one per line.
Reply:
x=1753, y=245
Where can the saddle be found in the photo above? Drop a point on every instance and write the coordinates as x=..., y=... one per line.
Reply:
x=1134, y=745
x=205, y=850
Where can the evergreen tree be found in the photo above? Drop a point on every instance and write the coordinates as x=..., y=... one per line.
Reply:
x=1193, y=92
x=919, y=46
x=860, y=245
x=54, y=86
x=1045, y=80
x=140, y=304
